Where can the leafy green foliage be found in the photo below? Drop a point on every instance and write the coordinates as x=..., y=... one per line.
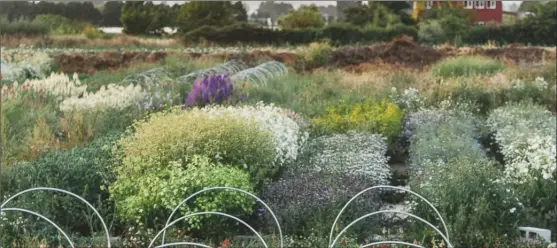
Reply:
x=373, y=14
x=111, y=14
x=431, y=32
x=212, y=13
x=145, y=196
x=454, y=20
x=146, y=18
x=59, y=24
x=241, y=15
x=178, y=135
x=84, y=171
x=477, y=208
x=303, y=17
x=337, y=34
x=22, y=26
x=77, y=11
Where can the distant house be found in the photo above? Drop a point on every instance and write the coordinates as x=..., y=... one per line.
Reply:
x=486, y=11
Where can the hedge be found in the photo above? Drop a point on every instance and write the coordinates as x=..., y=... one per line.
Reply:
x=337, y=34
x=342, y=34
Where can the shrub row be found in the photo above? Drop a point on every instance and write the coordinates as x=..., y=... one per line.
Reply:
x=337, y=34
x=518, y=33
x=347, y=34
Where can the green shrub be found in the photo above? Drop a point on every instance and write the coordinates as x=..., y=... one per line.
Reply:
x=59, y=24
x=92, y=33
x=22, y=27
x=476, y=207
x=383, y=118
x=317, y=54
x=174, y=135
x=83, y=171
x=146, y=195
x=463, y=66
x=431, y=32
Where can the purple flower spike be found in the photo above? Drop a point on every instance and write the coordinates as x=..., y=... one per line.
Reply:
x=213, y=89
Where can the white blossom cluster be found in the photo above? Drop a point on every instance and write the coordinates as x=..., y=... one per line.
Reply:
x=288, y=136
x=410, y=99
x=351, y=153
x=59, y=85
x=109, y=97
x=526, y=136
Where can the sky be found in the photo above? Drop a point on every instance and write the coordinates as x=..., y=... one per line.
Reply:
x=253, y=5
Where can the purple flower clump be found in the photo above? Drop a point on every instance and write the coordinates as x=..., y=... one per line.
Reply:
x=212, y=89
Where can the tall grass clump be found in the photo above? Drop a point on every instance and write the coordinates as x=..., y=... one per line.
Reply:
x=464, y=66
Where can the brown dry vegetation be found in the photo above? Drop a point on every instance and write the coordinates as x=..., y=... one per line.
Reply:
x=400, y=54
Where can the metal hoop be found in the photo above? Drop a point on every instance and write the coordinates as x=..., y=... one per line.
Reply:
x=183, y=243
x=203, y=213
x=388, y=187
x=392, y=211
x=66, y=192
x=229, y=188
x=391, y=243
x=42, y=217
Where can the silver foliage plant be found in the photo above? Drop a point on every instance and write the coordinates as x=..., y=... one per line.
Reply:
x=526, y=137
x=352, y=153
x=438, y=135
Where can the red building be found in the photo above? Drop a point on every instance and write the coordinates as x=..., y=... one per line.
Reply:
x=486, y=11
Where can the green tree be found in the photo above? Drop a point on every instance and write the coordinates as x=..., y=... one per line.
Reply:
x=111, y=14
x=240, y=13
x=304, y=17
x=193, y=15
x=136, y=18
x=454, y=20
x=543, y=23
x=373, y=14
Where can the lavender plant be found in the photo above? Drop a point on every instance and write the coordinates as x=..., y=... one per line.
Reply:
x=213, y=89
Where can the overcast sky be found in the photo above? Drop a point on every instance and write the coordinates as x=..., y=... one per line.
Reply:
x=253, y=5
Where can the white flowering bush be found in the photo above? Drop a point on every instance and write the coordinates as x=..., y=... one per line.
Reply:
x=526, y=136
x=352, y=153
x=58, y=85
x=477, y=207
x=108, y=97
x=410, y=98
x=437, y=135
x=288, y=135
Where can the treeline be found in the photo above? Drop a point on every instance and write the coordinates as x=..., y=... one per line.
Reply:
x=379, y=22
x=79, y=11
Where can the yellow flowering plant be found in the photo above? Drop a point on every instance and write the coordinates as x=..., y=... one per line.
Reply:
x=382, y=118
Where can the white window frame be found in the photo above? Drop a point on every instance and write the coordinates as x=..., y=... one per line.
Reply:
x=491, y=4
x=479, y=4
x=428, y=4
x=468, y=4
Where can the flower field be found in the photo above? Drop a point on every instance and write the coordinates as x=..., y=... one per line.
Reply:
x=474, y=135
